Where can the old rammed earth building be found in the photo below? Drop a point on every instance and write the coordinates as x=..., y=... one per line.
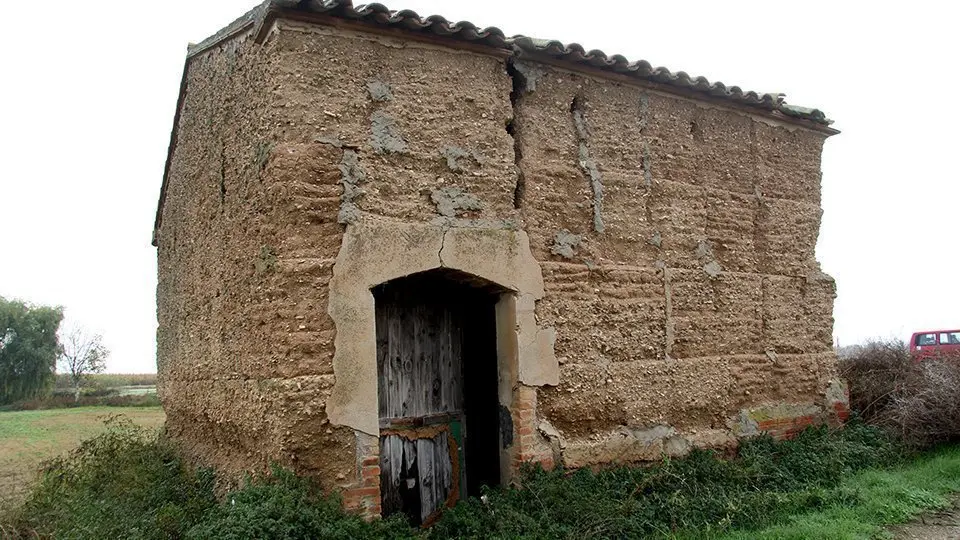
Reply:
x=405, y=255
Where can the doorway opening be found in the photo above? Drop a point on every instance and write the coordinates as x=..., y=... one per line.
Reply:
x=438, y=376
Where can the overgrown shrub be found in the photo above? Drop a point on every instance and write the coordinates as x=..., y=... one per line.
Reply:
x=873, y=372
x=123, y=483
x=284, y=505
x=128, y=484
x=701, y=493
x=918, y=401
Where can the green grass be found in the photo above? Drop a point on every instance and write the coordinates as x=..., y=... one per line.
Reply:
x=877, y=498
x=29, y=437
x=824, y=484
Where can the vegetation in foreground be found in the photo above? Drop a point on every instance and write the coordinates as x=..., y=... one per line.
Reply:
x=127, y=482
x=823, y=484
x=28, y=438
x=915, y=401
x=879, y=497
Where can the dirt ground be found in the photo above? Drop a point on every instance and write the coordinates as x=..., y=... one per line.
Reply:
x=29, y=437
x=942, y=525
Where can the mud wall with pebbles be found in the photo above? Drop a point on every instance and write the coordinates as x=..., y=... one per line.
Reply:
x=675, y=239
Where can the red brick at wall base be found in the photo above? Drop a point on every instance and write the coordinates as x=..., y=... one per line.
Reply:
x=786, y=428
x=530, y=447
x=842, y=411
x=364, y=498
x=789, y=427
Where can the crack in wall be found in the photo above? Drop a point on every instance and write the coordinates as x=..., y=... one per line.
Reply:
x=760, y=209
x=519, y=86
x=351, y=176
x=587, y=164
x=668, y=329
x=223, y=175
x=647, y=162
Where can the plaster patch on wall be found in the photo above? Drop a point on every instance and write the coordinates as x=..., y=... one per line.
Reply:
x=379, y=90
x=333, y=140
x=647, y=166
x=385, y=138
x=837, y=392
x=451, y=199
x=656, y=239
x=623, y=445
x=351, y=176
x=565, y=244
x=710, y=264
x=454, y=155
x=747, y=422
x=587, y=164
x=529, y=75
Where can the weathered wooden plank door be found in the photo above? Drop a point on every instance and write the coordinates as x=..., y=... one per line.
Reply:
x=420, y=338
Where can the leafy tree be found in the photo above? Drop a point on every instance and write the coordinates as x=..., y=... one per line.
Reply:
x=28, y=349
x=81, y=354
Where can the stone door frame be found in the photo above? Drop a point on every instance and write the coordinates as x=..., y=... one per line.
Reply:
x=375, y=251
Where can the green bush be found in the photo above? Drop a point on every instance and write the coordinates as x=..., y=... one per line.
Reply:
x=123, y=483
x=700, y=494
x=127, y=484
x=284, y=505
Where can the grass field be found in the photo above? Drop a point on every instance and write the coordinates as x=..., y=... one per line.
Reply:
x=29, y=437
x=877, y=499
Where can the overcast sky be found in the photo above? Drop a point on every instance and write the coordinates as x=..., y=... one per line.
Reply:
x=89, y=88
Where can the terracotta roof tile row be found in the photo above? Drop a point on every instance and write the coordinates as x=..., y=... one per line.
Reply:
x=574, y=54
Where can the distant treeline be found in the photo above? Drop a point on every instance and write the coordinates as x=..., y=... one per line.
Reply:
x=110, y=380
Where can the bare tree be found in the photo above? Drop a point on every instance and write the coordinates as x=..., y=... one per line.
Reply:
x=81, y=354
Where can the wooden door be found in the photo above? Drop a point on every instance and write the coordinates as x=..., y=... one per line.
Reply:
x=420, y=339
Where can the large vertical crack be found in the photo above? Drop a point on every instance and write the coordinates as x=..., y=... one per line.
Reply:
x=223, y=175
x=668, y=329
x=760, y=208
x=513, y=128
x=587, y=164
x=647, y=161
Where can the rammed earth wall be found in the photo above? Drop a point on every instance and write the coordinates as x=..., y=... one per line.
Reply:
x=659, y=249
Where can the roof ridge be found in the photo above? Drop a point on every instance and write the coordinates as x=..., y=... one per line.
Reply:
x=491, y=36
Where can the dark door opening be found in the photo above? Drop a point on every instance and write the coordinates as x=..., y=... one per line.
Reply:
x=437, y=391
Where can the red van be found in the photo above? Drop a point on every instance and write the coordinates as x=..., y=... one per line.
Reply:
x=934, y=343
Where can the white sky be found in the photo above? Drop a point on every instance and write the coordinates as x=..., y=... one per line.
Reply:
x=88, y=91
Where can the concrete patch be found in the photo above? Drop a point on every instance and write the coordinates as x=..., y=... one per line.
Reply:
x=379, y=90
x=530, y=75
x=565, y=243
x=587, y=164
x=623, y=445
x=385, y=138
x=450, y=200
x=455, y=157
x=351, y=176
